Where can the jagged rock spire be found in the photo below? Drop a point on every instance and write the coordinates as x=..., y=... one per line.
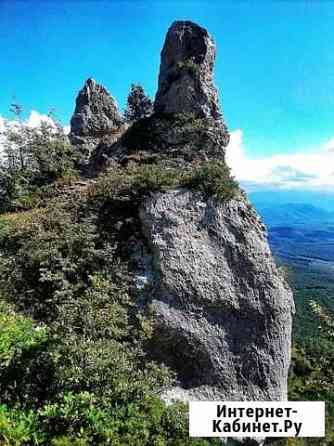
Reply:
x=95, y=112
x=186, y=72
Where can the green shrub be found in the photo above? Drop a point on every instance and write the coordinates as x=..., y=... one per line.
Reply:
x=25, y=364
x=17, y=335
x=49, y=259
x=19, y=428
x=82, y=418
x=150, y=133
x=135, y=182
x=311, y=376
x=213, y=178
x=33, y=157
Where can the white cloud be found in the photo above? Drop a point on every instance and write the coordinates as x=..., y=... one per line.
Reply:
x=2, y=128
x=67, y=129
x=2, y=124
x=300, y=170
x=35, y=119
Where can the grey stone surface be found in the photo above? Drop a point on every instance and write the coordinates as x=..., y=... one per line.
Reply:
x=95, y=112
x=95, y=117
x=222, y=309
x=186, y=72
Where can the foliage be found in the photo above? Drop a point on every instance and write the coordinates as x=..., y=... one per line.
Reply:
x=151, y=131
x=135, y=182
x=18, y=428
x=138, y=104
x=326, y=321
x=81, y=419
x=312, y=373
x=84, y=378
x=103, y=392
x=213, y=178
x=17, y=335
x=33, y=157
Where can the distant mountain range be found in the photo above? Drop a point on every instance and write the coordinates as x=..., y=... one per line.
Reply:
x=294, y=214
x=300, y=227
x=272, y=198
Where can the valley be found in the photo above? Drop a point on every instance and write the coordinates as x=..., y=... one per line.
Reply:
x=301, y=236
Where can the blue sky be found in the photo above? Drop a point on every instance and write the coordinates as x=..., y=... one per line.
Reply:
x=274, y=67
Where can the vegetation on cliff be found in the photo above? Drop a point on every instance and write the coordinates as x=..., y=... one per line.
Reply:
x=73, y=364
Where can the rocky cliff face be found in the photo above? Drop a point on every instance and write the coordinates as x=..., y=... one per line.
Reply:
x=222, y=310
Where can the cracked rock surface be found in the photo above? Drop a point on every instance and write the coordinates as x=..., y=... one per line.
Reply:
x=222, y=308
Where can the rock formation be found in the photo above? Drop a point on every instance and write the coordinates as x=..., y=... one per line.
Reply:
x=222, y=310
x=95, y=116
x=186, y=72
x=187, y=125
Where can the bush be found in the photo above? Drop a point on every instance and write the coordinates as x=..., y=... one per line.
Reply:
x=33, y=157
x=213, y=178
x=17, y=335
x=19, y=428
x=188, y=66
x=135, y=182
x=311, y=375
x=25, y=365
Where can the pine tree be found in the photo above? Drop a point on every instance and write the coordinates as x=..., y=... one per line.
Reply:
x=139, y=105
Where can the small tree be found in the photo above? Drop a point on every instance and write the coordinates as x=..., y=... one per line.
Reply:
x=139, y=105
x=31, y=158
